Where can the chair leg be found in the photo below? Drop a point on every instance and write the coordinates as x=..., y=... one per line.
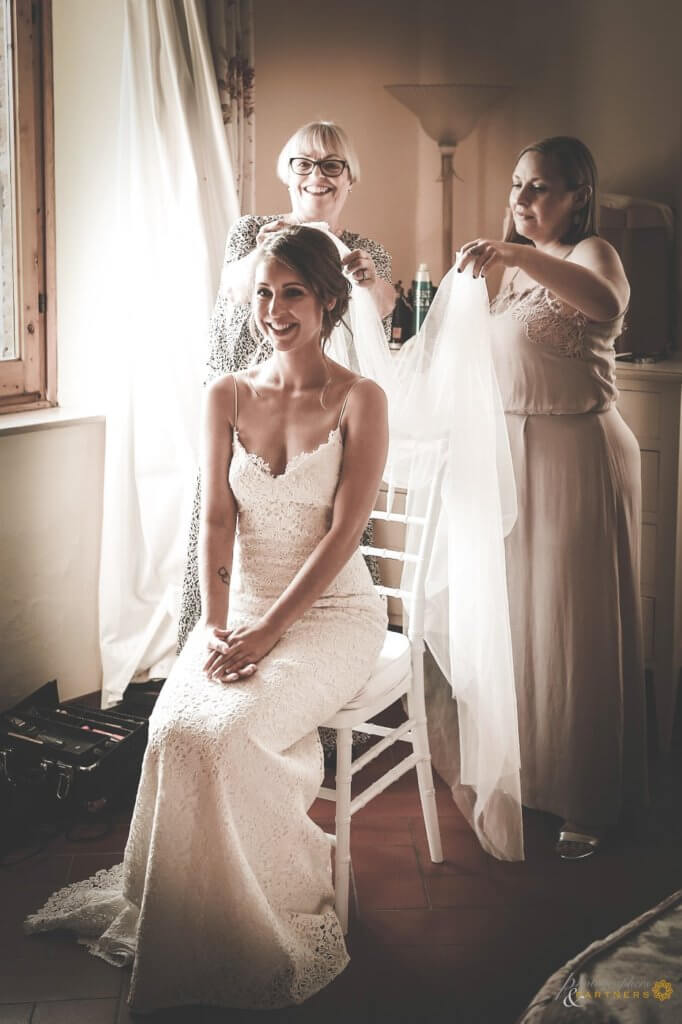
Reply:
x=344, y=739
x=416, y=708
x=427, y=792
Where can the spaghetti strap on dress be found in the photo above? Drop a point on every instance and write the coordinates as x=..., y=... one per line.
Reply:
x=345, y=401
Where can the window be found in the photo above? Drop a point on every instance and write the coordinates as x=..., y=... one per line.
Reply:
x=27, y=293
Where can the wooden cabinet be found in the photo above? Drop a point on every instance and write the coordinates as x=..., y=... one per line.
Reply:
x=650, y=401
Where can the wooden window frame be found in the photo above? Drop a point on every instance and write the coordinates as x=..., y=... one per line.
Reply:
x=30, y=380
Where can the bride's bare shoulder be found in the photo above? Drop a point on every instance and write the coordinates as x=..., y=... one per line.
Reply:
x=365, y=399
x=340, y=373
x=345, y=381
x=220, y=398
x=343, y=377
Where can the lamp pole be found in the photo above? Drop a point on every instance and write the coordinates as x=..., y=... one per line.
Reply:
x=447, y=173
x=448, y=113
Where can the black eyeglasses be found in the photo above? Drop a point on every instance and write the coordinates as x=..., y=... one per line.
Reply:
x=331, y=167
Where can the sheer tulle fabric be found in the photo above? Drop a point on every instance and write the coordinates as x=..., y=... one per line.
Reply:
x=176, y=198
x=445, y=413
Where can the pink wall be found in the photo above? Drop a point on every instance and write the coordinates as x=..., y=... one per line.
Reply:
x=609, y=71
x=331, y=60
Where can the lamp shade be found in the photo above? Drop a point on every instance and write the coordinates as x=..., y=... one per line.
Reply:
x=448, y=113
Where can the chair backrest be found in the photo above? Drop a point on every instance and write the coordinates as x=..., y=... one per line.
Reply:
x=412, y=598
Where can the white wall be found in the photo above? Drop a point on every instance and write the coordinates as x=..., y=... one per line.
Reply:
x=51, y=513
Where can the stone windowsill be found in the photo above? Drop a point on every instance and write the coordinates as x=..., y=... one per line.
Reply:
x=47, y=419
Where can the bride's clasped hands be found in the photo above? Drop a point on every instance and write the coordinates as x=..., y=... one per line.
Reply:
x=237, y=651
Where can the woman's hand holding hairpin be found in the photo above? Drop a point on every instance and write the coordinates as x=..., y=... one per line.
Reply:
x=273, y=226
x=359, y=266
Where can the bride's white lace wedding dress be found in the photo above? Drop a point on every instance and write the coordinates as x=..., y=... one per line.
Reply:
x=225, y=896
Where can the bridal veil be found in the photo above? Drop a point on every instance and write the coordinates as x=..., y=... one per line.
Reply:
x=447, y=431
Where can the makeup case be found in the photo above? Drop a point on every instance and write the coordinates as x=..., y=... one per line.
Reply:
x=69, y=753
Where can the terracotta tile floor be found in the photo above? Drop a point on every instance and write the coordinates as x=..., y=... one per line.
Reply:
x=465, y=942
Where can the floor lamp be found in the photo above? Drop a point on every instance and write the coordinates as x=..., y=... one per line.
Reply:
x=448, y=113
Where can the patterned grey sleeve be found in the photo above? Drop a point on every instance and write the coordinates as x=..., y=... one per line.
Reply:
x=227, y=328
x=241, y=238
x=382, y=260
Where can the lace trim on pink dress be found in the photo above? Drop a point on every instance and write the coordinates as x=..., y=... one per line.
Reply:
x=546, y=320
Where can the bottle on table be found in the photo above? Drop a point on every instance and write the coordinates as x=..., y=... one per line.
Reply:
x=422, y=291
x=401, y=321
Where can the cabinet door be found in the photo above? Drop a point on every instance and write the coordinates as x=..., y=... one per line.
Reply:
x=649, y=402
x=641, y=410
x=651, y=465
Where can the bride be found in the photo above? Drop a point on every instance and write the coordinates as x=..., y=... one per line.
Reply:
x=225, y=896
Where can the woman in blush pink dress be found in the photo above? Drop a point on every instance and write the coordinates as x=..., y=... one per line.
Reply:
x=573, y=557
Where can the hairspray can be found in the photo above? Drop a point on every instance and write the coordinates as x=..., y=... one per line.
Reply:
x=422, y=291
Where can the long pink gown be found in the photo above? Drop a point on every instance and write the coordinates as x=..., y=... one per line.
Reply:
x=573, y=561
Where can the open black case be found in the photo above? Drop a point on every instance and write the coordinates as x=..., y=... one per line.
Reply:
x=70, y=752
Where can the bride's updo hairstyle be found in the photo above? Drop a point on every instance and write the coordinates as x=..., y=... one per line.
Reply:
x=575, y=164
x=312, y=255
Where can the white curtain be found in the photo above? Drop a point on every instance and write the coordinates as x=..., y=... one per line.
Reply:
x=230, y=25
x=176, y=201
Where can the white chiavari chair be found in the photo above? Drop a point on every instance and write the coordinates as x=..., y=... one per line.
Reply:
x=399, y=674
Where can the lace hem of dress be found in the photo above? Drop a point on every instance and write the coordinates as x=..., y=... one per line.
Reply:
x=330, y=958
x=292, y=984
x=546, y=320
x=105, y=922
x=96, y=909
